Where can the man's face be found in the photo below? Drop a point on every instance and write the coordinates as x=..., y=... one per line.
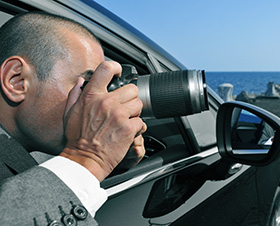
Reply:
x=40, y=117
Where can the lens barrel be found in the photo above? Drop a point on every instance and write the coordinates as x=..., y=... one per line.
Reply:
x=172, y=94
x=167, y=94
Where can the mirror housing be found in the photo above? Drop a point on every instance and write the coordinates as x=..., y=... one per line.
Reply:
x=247, y=134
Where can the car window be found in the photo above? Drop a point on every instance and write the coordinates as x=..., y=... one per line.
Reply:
x=204, y=128
x=201, y=128
x=4, y=17
x=160, y=131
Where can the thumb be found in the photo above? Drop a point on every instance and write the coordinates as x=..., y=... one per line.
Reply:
x=73, y=95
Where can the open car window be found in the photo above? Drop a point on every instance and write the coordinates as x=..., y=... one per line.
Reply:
x=168, y=140
x=4, y=17
x=164, y=142
x=204, y=128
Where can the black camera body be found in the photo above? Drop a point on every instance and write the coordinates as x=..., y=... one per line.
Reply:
x=167, y=94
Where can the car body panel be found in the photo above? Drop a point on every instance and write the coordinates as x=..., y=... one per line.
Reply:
x=131, y=204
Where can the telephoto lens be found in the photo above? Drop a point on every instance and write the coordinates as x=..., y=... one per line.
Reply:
x=167, y=94
x=172, y=94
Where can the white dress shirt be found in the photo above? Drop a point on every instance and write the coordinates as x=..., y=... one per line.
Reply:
x=80, y=181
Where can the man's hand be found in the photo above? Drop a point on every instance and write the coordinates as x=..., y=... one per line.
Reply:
x=100, y=126
x=134, y=155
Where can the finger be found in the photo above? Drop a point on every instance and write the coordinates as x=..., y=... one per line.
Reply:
x=134, y=107
x=140, y=126
x=142, y=130
x=126, y=93
x=73, y=95
x=138, y=141
x=102, y=77
x=133, y=157
x=137, y=150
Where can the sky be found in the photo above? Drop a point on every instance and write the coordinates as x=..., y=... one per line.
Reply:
x=214, y=35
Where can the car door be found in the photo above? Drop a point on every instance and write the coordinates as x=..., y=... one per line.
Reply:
x=182, y=180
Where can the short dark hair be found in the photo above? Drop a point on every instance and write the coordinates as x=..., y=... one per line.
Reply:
x=35, y=36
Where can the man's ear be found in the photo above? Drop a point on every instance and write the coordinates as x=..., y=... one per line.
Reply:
x=14, y=78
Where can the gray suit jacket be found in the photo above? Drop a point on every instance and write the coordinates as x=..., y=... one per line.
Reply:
x=30, y=194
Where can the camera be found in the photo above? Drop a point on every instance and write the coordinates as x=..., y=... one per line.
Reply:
x=167, y=94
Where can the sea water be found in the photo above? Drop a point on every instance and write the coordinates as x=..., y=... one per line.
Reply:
x=253, y=82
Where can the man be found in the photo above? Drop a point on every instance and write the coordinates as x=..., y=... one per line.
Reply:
x=45, y=58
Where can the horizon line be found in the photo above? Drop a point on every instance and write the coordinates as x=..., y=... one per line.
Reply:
x=238, y=71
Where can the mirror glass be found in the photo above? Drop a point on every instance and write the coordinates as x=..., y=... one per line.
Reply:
x=250, y=134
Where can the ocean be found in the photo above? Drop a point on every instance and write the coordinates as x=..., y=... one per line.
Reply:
x=253, y=82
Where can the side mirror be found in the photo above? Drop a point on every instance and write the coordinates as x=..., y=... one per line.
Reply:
x=247, y=134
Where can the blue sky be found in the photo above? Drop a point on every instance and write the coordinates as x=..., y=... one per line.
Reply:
x=215, y=35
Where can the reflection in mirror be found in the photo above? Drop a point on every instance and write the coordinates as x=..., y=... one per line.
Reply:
x=249, y=133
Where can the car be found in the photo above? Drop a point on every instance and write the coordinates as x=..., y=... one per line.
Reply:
x=218, y=165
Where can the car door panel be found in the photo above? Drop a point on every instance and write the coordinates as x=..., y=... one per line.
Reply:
x=267, y=183
x=133, y=203
x=235, y=204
